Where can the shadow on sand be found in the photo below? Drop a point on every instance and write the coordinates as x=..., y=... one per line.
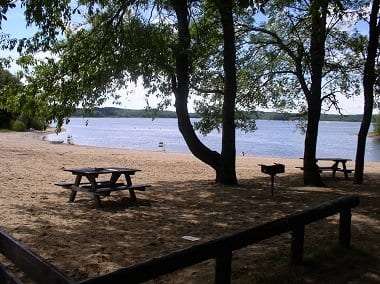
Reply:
x=84, y=241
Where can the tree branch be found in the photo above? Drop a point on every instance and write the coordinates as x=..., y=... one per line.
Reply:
x=278, y=41
x=206, y=91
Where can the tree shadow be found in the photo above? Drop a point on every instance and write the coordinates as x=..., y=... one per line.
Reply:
x=85, y=242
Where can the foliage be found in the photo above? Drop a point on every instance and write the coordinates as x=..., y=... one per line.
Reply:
x=115, y=50
x=279, y=56
x=19, y=102
x=18, y=125
x=273, y=56
x=8, y=86
x=207, y=78
x=95, y=62
x=50, y=16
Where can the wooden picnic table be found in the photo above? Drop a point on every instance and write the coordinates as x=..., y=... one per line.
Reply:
x=335, y=166
x=98, y=188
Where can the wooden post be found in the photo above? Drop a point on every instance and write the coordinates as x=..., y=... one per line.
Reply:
x=298, y=236
x=223, y=268
x=345, y=228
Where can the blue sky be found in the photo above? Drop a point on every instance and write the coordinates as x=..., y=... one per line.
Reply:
x=16, y=26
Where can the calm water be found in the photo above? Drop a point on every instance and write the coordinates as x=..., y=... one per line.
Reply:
x=272, y=138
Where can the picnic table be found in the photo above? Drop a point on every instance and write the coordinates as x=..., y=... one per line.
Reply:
x=98, y=188
x=335, y=166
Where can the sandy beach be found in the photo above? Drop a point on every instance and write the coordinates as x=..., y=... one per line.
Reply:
x=83, y=241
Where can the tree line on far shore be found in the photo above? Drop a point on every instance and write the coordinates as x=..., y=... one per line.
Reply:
x=263, y=115
x=231, y=56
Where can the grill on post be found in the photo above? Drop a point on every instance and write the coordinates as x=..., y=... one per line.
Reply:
x=272, y=170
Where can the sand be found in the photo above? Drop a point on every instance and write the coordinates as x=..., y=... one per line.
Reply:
x=83, y=241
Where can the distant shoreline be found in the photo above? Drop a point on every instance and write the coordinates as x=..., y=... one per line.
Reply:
x=239, y=155
x=113, y=112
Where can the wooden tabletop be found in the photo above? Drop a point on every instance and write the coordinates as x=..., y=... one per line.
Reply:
x=107, y=170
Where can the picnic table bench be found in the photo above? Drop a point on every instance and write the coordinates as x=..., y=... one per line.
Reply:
x=101, y=188
x=334, y=167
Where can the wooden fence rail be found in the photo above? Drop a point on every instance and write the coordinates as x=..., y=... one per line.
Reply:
x=34, y=266
x=219, y=249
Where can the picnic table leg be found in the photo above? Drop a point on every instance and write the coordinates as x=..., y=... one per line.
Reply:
x=335, y=168
x=128, y=179
x=96, y=197
x=345, y=170
x=74, y=192
x=132, y=193
x=114, y=178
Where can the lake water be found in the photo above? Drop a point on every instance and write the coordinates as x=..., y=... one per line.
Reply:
x=272, y=138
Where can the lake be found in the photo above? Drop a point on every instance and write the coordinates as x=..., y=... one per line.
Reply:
x=272, y=138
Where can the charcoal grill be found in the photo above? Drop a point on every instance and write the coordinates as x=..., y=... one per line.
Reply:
x=272, y=170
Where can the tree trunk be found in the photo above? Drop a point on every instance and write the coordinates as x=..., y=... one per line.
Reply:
x=369, y=78
x=311, y=172
x=230, y=89
x=180, y=84
x=318, y=9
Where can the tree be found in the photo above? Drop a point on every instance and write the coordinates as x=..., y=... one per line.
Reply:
x=180, y=86
x=122, y=44
x=369, y=80
x=20, y=102
x=230, y=89
x=51, y=17
x=318, y=11
x=8, y=84
x=296, y=56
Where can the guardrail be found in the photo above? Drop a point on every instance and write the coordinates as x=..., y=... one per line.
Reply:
x=34, y=266
x=219, y=249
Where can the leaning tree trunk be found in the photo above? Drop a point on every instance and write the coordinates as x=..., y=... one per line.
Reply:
x=369, y=79
x=230, y=89
x=318, y=11
x=181, y=82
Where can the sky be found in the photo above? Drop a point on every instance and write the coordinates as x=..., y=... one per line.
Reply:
x=134, y=97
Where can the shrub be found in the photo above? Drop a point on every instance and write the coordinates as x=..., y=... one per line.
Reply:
x=37, y=124
x=377, y=124
x=5, y=119
x=18, y=125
